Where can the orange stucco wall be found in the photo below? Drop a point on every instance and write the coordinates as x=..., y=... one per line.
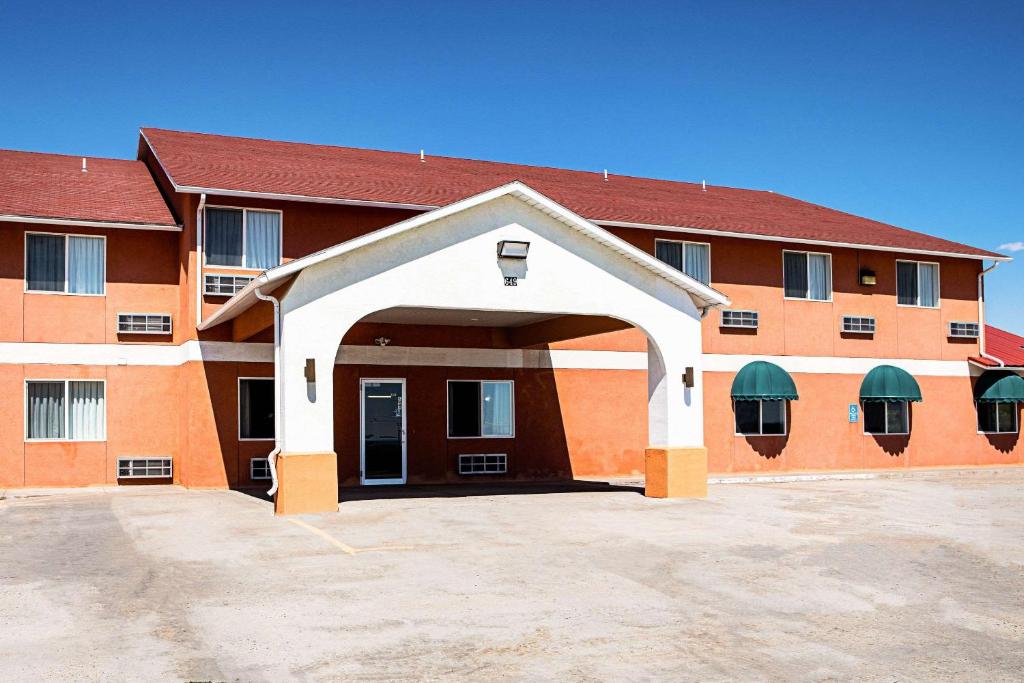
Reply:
x=142, y=277
x=568, y=422
x=943, y=430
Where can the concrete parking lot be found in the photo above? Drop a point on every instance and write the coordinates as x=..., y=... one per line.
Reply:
x=918, y=578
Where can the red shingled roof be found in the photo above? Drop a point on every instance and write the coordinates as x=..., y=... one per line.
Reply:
x=1005, y=346
x=53, y=186
x=196, y=160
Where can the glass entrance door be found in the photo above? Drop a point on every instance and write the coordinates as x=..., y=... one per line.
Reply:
x=382, y=431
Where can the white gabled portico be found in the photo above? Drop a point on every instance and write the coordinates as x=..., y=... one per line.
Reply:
x=448, y=259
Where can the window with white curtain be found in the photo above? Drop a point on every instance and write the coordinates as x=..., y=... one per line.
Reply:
x=917, y=284
x=69, y=264
x=693, y=258
x=480, y=409
x=66, y=410
x=243, y=238
x=807, y=275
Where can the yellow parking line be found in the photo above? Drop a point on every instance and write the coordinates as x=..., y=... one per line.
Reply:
x=324, y=535
x=344, y=547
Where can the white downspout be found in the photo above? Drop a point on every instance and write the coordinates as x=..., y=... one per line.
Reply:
x=200, y=229
x=278, y=390
x=981, y=314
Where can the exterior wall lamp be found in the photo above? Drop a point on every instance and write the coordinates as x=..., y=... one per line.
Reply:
x=513, y=249
x=867, y=277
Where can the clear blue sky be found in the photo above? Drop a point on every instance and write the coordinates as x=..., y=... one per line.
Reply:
x=910, y=112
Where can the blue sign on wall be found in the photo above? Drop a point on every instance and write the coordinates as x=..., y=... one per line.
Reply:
x=854, y=412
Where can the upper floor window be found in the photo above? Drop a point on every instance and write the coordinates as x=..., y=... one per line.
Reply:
x=917, y=284
x=69, y=264
x=807, y=275
x=243, y=238
x=693, y=258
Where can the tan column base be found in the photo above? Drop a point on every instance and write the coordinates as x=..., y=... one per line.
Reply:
x=306, y=482
x=676, y=472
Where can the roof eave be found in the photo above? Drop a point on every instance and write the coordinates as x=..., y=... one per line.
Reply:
x=87, y=223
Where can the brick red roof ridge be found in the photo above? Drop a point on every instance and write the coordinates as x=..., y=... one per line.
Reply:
x=256, y=165
x=49, y=186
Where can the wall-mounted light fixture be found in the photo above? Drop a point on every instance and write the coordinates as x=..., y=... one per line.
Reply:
x=867, y=277
x=310, y=370
x=688, y=378
x=513, y=249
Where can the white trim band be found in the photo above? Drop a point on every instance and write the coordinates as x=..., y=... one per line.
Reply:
x=30, y=353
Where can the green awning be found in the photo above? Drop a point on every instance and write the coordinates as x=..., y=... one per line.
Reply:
x=999, y=386
x=763, y=381
x=888, y=383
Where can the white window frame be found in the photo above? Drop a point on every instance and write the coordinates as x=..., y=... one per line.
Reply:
x=807, y=255
x=252, y=468
x=67, y=409
x=740, y=311
x=938, y=284
x=245, y=246
x=885, y=433
x=448, y=407
x=67, y=263
x=760, y=418
x=170, y=323
x=977, y=331
x=685, y=243
x=1016, y=419
x=843, y=320
x=238, y=400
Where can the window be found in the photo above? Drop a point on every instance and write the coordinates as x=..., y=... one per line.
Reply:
x=858, y=324
x=754, y=418
x=144, y=468
x=65, y=410
x=693, y=258
x=66, y=264
x=969, y=330
x=886, y=417
x=480, y=409
x=243, y=238
x=483, y=463
x=259, y=468
x=225, y=285
x=807, y=275
x=255, y=408
x=739, y=319
x=143, y=323
x=997, y=418
x=917, y=284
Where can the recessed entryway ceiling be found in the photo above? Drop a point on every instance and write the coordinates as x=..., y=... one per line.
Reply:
x=456, y=317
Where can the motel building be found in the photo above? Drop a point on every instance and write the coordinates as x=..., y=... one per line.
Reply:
x=229, y=312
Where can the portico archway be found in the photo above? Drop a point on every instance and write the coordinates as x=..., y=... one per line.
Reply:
x=449, y=259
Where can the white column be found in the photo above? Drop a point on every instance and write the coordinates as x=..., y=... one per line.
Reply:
x=675, y=414
x=307, y=425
